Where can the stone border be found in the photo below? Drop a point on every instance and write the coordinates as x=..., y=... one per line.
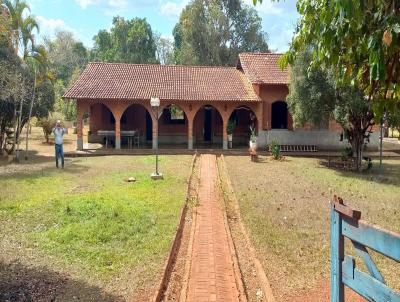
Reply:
x=188, y=263
x=266, y=287
x=169, y=263
x=235, y=260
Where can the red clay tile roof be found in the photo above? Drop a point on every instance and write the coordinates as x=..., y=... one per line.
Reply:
x=263, y=68
x=168, y=82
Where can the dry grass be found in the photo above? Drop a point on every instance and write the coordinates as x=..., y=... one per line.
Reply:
x=285, y=205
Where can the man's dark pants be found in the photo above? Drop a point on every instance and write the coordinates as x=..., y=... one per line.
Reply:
x=59, y=153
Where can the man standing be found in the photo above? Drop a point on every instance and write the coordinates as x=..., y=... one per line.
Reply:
x=59, y=132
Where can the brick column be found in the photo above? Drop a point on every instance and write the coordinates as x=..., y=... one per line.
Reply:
x=225, y=133
x=79, y=124
x=117, y=132
x=190, y=132
x=155, y=133
x=79, y=132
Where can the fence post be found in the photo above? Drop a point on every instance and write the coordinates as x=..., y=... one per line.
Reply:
x=337, y=256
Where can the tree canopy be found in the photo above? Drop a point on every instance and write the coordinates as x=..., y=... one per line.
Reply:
x=214, y=32
x=315, y=97
x=129, y=41
x=358, y=40
x=25, y=83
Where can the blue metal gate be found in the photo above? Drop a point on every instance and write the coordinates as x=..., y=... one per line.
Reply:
x=345, y=222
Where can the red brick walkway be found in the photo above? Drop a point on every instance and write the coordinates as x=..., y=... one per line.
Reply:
x=211, y=276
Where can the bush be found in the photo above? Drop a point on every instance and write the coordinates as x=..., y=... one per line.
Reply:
x=275, y=149
x=48, y=124
x=347, y=153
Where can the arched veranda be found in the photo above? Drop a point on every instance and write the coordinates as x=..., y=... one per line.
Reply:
x=101, y=122
x=136, y=127
x=244, y=123
x=173, y=127
x=208, y=128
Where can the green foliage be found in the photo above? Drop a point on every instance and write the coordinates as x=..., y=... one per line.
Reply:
x=315, y=97
x=231, y=126
x=129, y=41
x=164, y=50
x=358, y=40
x=66, y=55
x=346, y=153
x=275, y=149
x=394, y=121
x=215, y=32
x=25, y=81
x=67, y=58
x=312, y=95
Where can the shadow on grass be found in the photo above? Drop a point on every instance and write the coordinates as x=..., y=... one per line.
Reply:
x=389, y=173
x=46, y=167
x=21, y=283
x=33, y=157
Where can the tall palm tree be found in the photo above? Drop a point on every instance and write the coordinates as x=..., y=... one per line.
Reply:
x=22, y=27
x=22, y=38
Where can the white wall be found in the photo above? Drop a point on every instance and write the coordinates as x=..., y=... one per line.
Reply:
x=323, y=139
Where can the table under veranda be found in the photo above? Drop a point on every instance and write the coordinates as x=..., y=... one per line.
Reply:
x=133, y=136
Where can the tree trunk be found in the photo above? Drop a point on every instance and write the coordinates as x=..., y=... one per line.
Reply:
x=29, y=116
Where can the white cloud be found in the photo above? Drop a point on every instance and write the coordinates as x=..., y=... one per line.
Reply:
x=85, y=3
x=49, y=26
x=172, y=9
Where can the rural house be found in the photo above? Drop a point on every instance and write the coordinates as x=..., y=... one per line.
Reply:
x=197, y=102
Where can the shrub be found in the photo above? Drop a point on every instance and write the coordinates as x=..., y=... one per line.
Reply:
x=48, y=124
x=274, y=148
x=347, y=153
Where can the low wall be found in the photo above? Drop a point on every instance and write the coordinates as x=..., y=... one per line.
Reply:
x=323, y=139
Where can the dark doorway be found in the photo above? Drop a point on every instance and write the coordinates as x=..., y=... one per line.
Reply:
x=279, y=115
x=207, y=124
x=149, y=127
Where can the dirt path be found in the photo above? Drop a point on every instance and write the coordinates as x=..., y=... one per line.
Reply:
x=211, y=274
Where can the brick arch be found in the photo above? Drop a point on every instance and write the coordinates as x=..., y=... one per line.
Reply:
x=218, y=107
x=122, y=106
x=183, y=107
x=211, y=129
x=252, y=109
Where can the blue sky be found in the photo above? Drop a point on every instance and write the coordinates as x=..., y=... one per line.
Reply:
x=86, y=17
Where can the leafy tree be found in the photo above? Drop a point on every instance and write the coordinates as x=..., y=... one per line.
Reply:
x=394, y=121
x=214, y=32
x=22, y=27
x=129, y=41
x=67, y=58
x=65, y=54
x=23, y=65
x=358, y=40
x=164, y=52
x=314, y=96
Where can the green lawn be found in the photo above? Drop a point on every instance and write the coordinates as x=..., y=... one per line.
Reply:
x=87, y=221
x=285, y=206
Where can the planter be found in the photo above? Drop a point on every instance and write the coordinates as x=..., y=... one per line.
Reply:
x=230, y=137
x=253, y=144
